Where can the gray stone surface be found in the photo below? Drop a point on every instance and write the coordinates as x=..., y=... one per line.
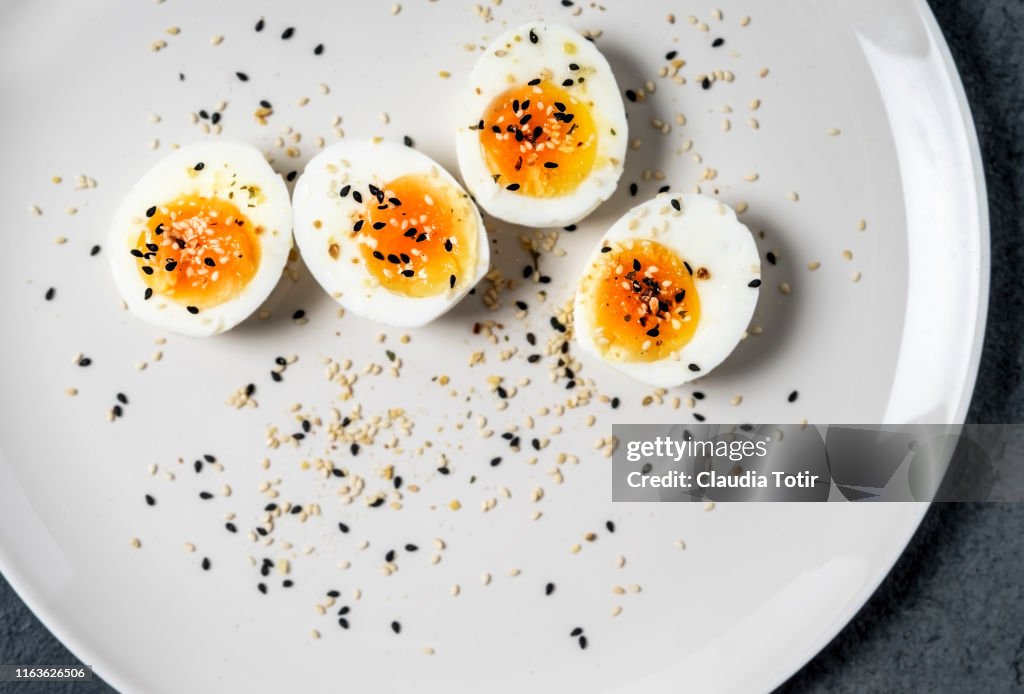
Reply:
x=950, y=616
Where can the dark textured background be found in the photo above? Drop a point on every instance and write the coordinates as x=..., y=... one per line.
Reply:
x=950, y=616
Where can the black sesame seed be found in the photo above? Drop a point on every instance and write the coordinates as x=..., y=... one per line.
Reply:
x=298, y=315
x=84, y=361
x=671, y=55
x=390, y=556
x=407, y=141
x=636, y=265
x=288, y=33
x=396, y=627
x=568, y=82
x=262, y=587
x=698, y=395
x=150, y=501
x=147, y=269
x=136, y=252
x=533, y=37
x=287, y=583
x=705, y=83
x=206, y=564
x=549, y=589
x=576, y=632
x=633, y=188
x=571, y=227
x=230, y=527
x=512, y=187
x=151, y=211
x=631, y=95
x=357, y=196
x=615, y=403
x=557, y=324
x=411, y=548
x=534, y=82
x=698, y=417
x=319, y=49
x=209, y=262
x=583, y=642
x=205, y=495
x=754, y=284
x=250, y=389
x=663, y=189
x=550, y=165
x=451, y=281
x=717, y=42
x=344, y=191
x=379, y=225
x=771, y=257
x=531, y=338
x=610, y=525
x=343, y=623
x=793, y=396
x=192, y=309
x=95, y=250
x=354, y=449
x=342, y=527
x=443, y=470
x=204, y=114
x=50, y=293
x=574, y=67
x=275, y=377
x=260, y=25
x=676, y=206
x=265, y=104
x=200, y=166
x=291, y=176
x=122, y=398
x=694, y=367
x=242, y=76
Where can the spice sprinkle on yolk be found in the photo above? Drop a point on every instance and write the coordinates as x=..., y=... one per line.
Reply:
x=417, y=236
x=196, y=251
x=538, y=140
x=645, y=303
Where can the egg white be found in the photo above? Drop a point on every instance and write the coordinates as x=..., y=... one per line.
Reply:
x=512, y=59
x=227, y=167
x=323, y=217
x=705, y=233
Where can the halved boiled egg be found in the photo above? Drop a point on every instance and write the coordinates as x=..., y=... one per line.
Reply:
x=543, y=132
x=201, y=240
x=388, y=232
x=669, y=291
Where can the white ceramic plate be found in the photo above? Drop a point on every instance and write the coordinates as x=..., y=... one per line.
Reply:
x=759, y=588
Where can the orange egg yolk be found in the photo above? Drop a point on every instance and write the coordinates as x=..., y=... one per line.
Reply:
x=538, y=140
x=645, y=303
x=417, y=235
x=198, y=252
